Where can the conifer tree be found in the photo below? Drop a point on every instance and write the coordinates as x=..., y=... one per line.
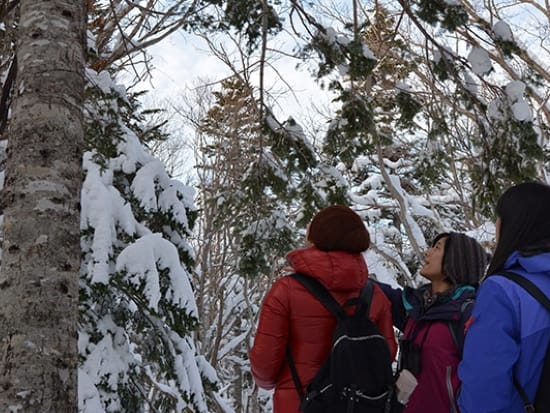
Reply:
x=138, y=309
x=137, y=306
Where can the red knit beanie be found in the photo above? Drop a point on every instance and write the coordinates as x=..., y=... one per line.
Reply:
x=338, y=228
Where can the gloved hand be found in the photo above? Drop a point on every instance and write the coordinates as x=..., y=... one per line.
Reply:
x=406, y=383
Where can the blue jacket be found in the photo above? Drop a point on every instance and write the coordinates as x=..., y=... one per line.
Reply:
x=508, y=335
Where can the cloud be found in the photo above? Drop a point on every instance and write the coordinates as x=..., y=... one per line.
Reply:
x=183, y=61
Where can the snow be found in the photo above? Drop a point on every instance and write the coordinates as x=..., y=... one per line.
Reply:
x=152, y=177
x=416, y=232
x=232, y=344
x=103, y=81
x=335, y=38
x=103, y=209
x=515, y=90
x=403, y=87
x=223, y=403
x=119, y=194
x=517, y=104
x=142, y=259
x=269, y=161
x=379, y=269
x=502, y=31
x=522, y=111
x=206, y=369
x=368, y=53
x=470, y=83
x=480, y=61
x=419, y=210
x=484, y=234
x=107, y=358
x=520, y=106
x=495, y=110
x=442, y=53
x=91, y=41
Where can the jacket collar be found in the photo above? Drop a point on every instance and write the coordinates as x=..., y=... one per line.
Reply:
x=528, y=263
x=445, y=306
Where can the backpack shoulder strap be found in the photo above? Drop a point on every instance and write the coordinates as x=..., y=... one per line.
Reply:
x=294, y=373
x=365, y=300
x=528, y=286
x=457, y=326
x=532, y=289
x=321, y=293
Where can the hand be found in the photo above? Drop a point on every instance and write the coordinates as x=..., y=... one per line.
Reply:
x=406, y=383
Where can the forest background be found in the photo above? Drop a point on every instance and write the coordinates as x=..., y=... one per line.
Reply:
x=434, y=108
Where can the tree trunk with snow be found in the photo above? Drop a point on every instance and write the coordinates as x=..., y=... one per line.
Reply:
x=41, y=249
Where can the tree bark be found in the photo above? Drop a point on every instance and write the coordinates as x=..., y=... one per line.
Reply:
x=41, y=249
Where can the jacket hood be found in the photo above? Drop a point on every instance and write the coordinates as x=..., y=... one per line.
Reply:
x=336, y=270
x=539, y=263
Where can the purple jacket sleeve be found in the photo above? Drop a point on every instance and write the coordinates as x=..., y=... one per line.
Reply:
x=395, y=295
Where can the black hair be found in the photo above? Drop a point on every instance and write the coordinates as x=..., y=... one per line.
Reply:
x=464, y=259
x=439, y=236
x=524, y=221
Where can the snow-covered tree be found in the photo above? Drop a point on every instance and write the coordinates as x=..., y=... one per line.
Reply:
x=138, y=310
x=249, y=200
x=438, y=106
x=137, y=306
x=436, y=113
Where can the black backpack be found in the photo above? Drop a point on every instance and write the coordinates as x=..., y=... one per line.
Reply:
x=541, y=403
x=357, y=374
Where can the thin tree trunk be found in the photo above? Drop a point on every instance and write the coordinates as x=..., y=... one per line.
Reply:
x=41, y=250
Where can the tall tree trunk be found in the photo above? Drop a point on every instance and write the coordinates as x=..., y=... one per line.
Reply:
x=41, y=250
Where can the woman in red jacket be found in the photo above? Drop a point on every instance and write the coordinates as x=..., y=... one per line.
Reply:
x=291, y=316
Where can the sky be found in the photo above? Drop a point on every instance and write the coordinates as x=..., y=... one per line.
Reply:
x=182, y=60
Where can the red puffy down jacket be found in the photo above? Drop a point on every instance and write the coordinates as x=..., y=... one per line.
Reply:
x=291, y=315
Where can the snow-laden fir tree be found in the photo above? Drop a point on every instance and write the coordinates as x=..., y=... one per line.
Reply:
x=138, y=310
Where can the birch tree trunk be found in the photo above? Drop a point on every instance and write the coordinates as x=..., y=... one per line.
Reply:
x=41, y=249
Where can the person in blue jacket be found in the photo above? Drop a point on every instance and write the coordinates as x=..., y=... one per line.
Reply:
x=509, y=329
